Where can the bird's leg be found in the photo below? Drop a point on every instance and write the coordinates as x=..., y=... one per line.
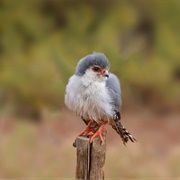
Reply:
x=87, y=129
x=90, y=128
x=99, y=132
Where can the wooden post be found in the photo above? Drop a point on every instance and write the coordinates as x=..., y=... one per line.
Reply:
x=90, y=158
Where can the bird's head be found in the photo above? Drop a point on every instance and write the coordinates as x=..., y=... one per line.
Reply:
x=94, y=66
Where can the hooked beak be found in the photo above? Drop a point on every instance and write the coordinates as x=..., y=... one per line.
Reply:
x=105, y=73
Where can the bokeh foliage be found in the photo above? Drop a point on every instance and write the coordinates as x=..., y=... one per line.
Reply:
x=41, y=43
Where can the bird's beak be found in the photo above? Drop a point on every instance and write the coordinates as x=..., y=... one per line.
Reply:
x=105, y=73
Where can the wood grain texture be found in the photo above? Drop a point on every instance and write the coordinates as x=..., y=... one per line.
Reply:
x=83, y=151
x=98, y=151
x=90, y=158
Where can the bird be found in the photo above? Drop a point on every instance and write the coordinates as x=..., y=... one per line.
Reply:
x=94, y=94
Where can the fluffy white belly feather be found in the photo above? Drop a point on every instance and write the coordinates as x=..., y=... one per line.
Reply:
x=89, y=99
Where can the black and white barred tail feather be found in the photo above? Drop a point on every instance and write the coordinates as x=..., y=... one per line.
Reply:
x=121, y=130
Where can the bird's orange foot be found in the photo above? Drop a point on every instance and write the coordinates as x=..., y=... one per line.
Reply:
x=99, y=133
x=87, y=130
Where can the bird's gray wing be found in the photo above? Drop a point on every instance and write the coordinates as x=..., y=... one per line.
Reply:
x=114, y=89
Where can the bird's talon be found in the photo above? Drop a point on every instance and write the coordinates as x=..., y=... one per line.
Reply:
x=90, y=134
x=87, y=130
x=99, y=133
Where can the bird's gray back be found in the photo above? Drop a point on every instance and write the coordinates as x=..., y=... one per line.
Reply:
x=114, y=88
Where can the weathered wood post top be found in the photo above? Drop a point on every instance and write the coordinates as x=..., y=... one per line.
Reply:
x=90, y=158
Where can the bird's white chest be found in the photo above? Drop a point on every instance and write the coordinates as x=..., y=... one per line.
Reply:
x=89, y=99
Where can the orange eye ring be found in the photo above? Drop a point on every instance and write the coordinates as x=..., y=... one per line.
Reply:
x=96, y=69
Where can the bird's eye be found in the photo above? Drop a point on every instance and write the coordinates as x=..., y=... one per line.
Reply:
x=96, y=69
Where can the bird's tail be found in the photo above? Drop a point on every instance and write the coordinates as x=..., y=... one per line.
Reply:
x=121, y=130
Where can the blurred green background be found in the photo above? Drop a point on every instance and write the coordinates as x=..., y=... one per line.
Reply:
x=40, y=45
